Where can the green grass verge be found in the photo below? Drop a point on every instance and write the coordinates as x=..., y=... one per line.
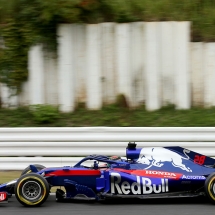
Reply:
x=6, y=176
x=111, y=115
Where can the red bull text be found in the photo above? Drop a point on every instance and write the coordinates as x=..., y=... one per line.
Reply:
x=142, y=185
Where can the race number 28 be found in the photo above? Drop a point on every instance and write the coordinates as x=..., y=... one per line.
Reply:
x=199, y=159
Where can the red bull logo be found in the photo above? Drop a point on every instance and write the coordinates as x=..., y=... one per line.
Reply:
x=157, y=156
x=142, y=185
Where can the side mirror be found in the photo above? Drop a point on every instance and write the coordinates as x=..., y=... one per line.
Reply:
x=95, y=166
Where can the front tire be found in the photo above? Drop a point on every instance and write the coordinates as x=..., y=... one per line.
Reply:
x=31, y=190
x=210, y=187
x=28, y=169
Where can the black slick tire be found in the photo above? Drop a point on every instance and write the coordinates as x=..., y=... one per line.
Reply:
x=31, y=190
x=28, y=169
x=210, y=187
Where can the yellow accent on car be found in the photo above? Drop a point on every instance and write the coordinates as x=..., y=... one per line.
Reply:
x=209, y=190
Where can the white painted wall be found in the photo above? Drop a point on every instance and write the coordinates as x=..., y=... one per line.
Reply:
x=138, y=56
x=4, y=90
x=108, y=60
x=79, y=60
x=123, y=61
x=24, y=95
x=153, y=63
x=197, y=75
x=153, y=76
x=209, y=75
x=167, y=62
x=182, y=91
x=51, y=85
x=66, y=77
x=93, y=67
x=36, y=75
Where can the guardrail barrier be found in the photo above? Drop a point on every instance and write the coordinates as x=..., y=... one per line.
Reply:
x=20, y=147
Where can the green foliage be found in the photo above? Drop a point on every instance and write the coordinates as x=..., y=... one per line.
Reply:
x=24, y=23
x=121, y=101
x=7, y=8
x=13, y=60
x=43, y=114
x=110, y=115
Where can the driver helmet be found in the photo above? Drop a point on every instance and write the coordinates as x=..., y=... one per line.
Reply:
x=115, y=157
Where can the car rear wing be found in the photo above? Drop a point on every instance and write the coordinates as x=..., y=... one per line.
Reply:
x=197, y=158
x=133, y=153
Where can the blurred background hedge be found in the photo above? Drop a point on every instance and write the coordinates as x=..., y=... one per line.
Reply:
x=27, y=22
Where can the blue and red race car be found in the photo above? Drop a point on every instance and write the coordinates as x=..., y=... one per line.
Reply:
x=149, y=172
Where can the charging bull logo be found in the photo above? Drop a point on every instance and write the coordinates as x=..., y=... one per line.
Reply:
x=142, y=185
x=158, y=155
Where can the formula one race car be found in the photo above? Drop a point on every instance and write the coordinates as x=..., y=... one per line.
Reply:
x=149, y=172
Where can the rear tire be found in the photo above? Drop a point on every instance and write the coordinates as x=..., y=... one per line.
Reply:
x=28, y=169
x=210, y=187
x=31, y=190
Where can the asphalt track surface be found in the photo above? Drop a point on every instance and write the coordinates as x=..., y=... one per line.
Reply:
x=197, y=206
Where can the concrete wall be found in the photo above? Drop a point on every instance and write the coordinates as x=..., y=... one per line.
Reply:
x=152, y=63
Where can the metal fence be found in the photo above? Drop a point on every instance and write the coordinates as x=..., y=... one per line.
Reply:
x=66, y=146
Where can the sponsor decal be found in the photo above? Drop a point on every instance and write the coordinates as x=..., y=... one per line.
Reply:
x=198, y=159
x=142, y=185
x=157, y=156
x=3, y=196
x=186, y=182
x=195, y=177
x=152, y=173
x=163, y=174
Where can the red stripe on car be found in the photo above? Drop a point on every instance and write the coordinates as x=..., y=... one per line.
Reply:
x=74, y=173
x=151, y=173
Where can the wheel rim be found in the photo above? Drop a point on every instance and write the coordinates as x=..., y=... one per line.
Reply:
x=213, y=188
x=31, y=190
